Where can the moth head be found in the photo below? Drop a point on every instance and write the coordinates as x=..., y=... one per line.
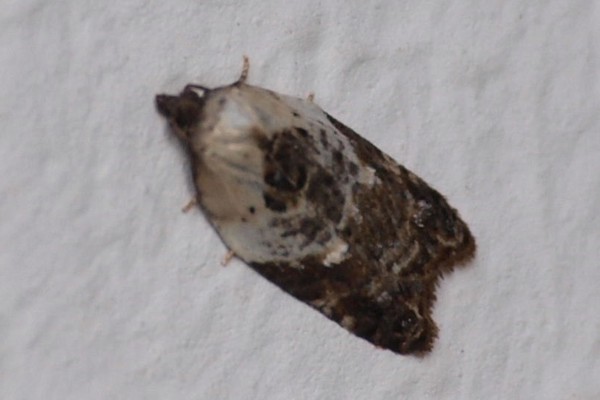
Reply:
x=183, y=112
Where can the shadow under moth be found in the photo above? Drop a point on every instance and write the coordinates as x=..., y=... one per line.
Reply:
x=320, y=211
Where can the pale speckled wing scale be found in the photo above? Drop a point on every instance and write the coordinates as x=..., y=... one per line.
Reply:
x=320, y=211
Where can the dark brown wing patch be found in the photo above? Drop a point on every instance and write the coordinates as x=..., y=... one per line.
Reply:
x=406, y=238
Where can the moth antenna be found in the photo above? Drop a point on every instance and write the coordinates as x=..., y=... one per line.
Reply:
x=191, y=87
x=194, y=86
x=245, y=70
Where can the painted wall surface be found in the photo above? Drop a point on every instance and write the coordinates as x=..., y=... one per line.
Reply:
x=109, y=291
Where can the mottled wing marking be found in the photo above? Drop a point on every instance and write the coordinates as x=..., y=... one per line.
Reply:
x=404, y=236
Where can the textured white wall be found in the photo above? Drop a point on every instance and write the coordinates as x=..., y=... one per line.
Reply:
x=108, y=291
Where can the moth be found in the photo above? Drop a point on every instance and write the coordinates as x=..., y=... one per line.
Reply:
x=320, y=211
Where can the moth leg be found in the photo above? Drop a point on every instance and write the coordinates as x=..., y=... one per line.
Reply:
x=227, y=258
x=245, y=70
x=191, y=204
x=311, y=97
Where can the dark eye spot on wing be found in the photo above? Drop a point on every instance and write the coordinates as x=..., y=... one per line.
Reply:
x=273, y=204
x=292, y=181
x=303, y=132
x=286, y=160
